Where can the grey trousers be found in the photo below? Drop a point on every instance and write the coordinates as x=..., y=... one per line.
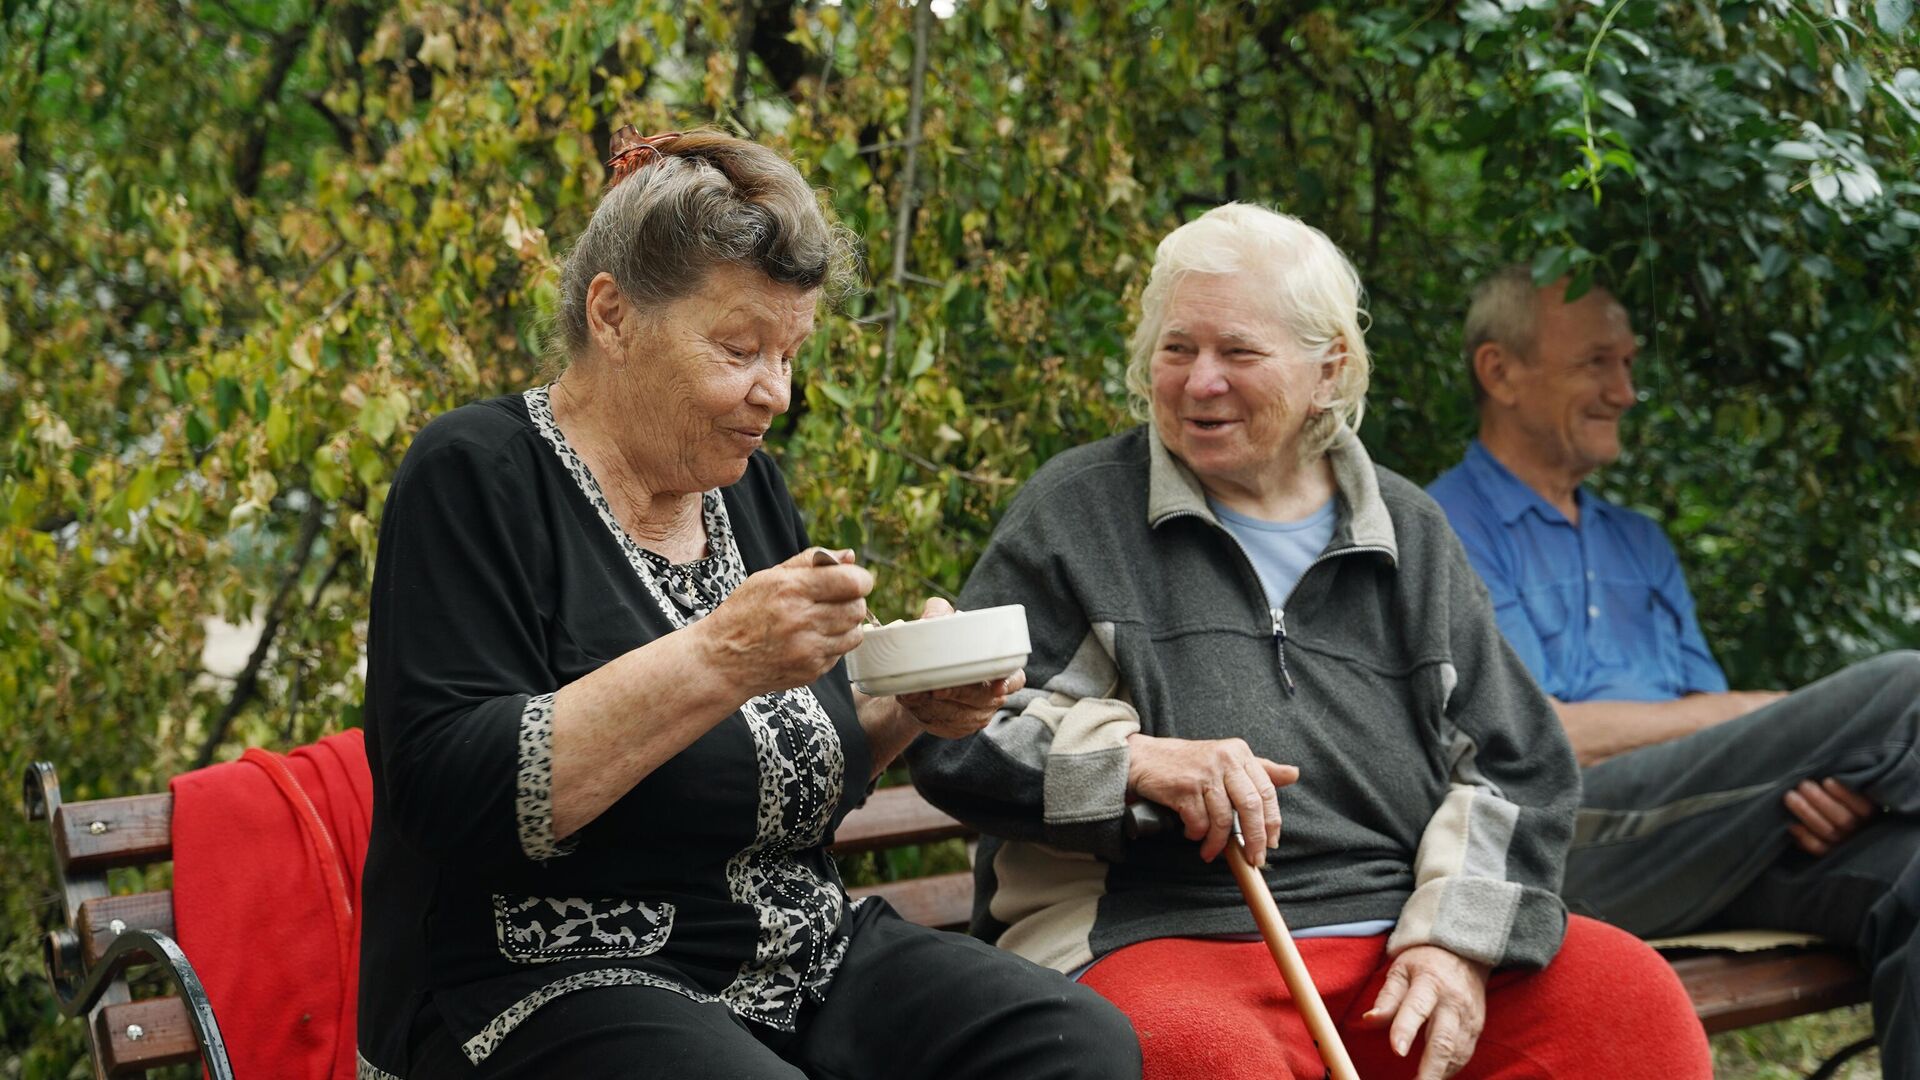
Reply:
x=1692, y=834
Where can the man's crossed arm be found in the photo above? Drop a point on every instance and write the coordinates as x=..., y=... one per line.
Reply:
x=1825, y=813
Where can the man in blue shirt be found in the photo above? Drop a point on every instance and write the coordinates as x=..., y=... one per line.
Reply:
x=1703, y=807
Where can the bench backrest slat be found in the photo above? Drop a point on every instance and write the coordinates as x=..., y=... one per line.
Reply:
x=894, y=817
x=165, y=1036
x=137, y=911
x=102, y=833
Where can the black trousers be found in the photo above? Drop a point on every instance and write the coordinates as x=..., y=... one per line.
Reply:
x=907, y=1002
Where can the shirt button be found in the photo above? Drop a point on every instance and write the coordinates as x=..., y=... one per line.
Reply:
x=1589, y=575
x=1593, y=613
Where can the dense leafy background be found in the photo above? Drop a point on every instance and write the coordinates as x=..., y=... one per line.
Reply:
x=252, y=245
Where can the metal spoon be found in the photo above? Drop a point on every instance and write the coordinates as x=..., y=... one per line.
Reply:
x=824, y=557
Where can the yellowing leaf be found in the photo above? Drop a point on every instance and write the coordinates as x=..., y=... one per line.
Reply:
x=400, y=405
x=522, y=239
x=438, y=50
x=362, y=532
x=377, y=420
x=305, y=349
x=279, y=426
x=326, y=477
x=460, y=359
x=140, y=488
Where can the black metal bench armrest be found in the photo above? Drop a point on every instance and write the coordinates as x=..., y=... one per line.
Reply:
x=134, y=947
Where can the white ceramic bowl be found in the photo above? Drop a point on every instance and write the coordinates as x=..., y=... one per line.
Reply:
x=932, y=654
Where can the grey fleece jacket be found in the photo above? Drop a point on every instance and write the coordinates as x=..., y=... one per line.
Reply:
x=1436, y=786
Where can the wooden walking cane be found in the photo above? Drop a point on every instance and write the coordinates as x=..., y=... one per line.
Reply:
x=1147, y=819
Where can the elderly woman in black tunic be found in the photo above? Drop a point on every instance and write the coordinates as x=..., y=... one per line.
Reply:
x=609, y=729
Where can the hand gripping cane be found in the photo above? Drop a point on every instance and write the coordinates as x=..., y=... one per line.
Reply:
x=1147, y=819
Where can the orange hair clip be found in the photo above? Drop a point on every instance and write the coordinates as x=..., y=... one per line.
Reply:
x=633, y=151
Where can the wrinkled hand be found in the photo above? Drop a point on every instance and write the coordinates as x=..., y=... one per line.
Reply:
x=786, y=625
x=1429, y=986
x=1828, y=813
x=958, y=711
x=1207, y=782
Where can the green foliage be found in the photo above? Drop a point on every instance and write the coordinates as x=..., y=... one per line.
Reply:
x=252, y=245
x=1795, y=1048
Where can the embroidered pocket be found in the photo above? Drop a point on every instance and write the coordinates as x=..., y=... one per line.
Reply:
x=542, y=929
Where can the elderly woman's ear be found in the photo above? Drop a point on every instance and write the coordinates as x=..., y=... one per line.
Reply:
x=1333, y=361
x=607, y=314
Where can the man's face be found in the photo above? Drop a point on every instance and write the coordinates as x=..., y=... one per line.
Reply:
x=1572, y=391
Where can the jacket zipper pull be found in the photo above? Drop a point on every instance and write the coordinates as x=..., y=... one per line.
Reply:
x=1280, y=646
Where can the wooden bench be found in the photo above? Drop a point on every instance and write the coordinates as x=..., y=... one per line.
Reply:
x=104, y=934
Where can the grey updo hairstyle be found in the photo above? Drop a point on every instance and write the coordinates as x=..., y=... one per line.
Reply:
x=710, y=200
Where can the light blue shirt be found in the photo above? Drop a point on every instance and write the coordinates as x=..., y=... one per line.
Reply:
x=1280, y=551
x=1597, y=611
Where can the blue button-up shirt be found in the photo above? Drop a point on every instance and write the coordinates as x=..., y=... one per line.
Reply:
x=1598, y=611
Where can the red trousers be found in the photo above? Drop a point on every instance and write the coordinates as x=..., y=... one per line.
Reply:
x=1607, y=1007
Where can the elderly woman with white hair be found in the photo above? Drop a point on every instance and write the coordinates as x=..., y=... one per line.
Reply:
x=1233, y=608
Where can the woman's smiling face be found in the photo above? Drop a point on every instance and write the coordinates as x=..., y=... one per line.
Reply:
x=1232, y=389
x=707, y=376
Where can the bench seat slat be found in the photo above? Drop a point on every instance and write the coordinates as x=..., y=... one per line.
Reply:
x=944, y=901
x=1742, y=989
x=102, y=833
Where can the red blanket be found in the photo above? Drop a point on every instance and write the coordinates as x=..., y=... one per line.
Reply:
x=267, y=852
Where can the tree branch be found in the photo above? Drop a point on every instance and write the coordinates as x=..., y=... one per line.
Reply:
x=1273, y=39
x=784, y=61
x=247, y=686
x=935, y=468
x=1229, y=150
x=400, y=317
x=343, y=132
x=867, y=554
x=25, y=151
x=605, y=67
x=1380, y=164
x=1191, y=200
x=829, y=55
x=239, y=20
x=248, y=163
x=315, y=267
x=743, y=55
x=903, y=213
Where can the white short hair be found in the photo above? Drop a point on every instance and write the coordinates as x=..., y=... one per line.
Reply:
x=1316, y=296
x=1505, y=311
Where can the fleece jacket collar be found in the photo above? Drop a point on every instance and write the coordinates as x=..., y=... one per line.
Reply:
x=1173, y=491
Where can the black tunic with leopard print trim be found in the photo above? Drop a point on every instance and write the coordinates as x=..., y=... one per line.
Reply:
x=501, y=578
